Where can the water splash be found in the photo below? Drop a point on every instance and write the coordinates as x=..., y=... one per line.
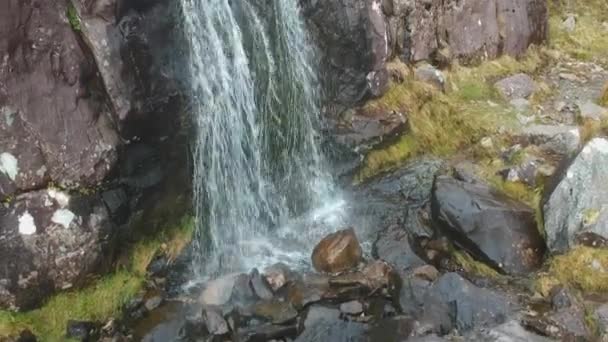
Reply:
x=256, y=159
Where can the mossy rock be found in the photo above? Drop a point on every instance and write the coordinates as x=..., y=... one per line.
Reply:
x=584, y=268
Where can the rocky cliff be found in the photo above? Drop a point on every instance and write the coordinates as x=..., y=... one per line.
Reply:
x=92, y=122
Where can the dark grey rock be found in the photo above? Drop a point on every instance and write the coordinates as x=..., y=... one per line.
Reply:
x=274, y=311
x=491, y=226
x=214, y=321
x=519, y=86
x=318, y=314
x=81, y=330
x=579, y=200
x=393, y=246
x=393, y=329
x=467, y=305
x=267, y=332
x=334, y=331
x=260, y=285
x=562, y=140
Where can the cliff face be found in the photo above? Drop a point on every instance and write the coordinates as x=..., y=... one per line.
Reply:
x=357, y=38
x=91, y=121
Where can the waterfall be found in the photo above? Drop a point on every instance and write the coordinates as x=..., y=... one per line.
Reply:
x=256, y=161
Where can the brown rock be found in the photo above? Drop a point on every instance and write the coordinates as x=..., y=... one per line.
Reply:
x=426, y=272
x=337, y=252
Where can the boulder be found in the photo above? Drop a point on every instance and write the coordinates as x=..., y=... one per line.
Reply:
x=214, y=321
x=50, y=240
x=518, y=86
x=333, y=331
x=578, y=201
x=81, y=330
x=337, y=252
x=393, y=246
x=318, y=314
x=592, y=111
x=467, y=305
x=491, y=226
x=562, y=140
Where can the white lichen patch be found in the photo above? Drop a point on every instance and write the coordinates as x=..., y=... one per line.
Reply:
x=9, y=115
x=26, y=224
x=63, y=217
x=60, y=197
x=9, y=165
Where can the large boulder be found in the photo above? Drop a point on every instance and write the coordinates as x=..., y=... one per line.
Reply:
x=491, y=226
x=393, y=246
x=49, y=241
x=337, y=252
x=578, y=202
x=454, y=302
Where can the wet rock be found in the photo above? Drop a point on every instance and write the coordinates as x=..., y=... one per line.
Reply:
x=353, y=307
x=218, y=291
x=333, y=332
x=393, y=246
x=242, y=291
x=426, y=272
x=511, y=331
x=275, y=311
x=153, y=303
x=578, y=202
x=394, y=329
x=412, y=293
x=81, y=330
x=278, y=275
x=489, y=225
x=50, y=240
x=379, y=274
x=266, y=332
x=311, y=288
x=260, y=285
x=592, y=111
x=428, y=73
x=561, y=140
x=158, y=267
x=519, y=86
x=337, y=252
x=214, y=321
x=319, y=314
x=362, y=131
x=467, y=305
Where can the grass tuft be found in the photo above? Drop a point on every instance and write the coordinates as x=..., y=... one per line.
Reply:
x=474, y=267
x=73, y=18
x=603, y=101
x=443, y=123
x=582, y=267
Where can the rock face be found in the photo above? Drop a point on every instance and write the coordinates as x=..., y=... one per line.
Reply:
x=413, y=31
x=579, y=201
x=337, y=252
x=490, y=226
x=89, y=104
x=49, y=241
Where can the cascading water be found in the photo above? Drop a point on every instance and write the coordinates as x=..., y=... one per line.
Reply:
x=256, y=160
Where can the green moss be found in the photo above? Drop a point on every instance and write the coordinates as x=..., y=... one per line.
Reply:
x=579, y=268
x=73, y=18
x=106, y=297
x=474, y=267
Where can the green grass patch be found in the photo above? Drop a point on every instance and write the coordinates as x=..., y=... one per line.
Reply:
x=474, y=267
x=445, y=123
x=579, y=268
x=603, y=100
x=73, y=18
x=106, y=297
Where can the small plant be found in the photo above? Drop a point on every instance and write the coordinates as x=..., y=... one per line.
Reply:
x=73, y=18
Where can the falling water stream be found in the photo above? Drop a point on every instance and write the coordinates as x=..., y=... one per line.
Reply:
x=261, y=194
